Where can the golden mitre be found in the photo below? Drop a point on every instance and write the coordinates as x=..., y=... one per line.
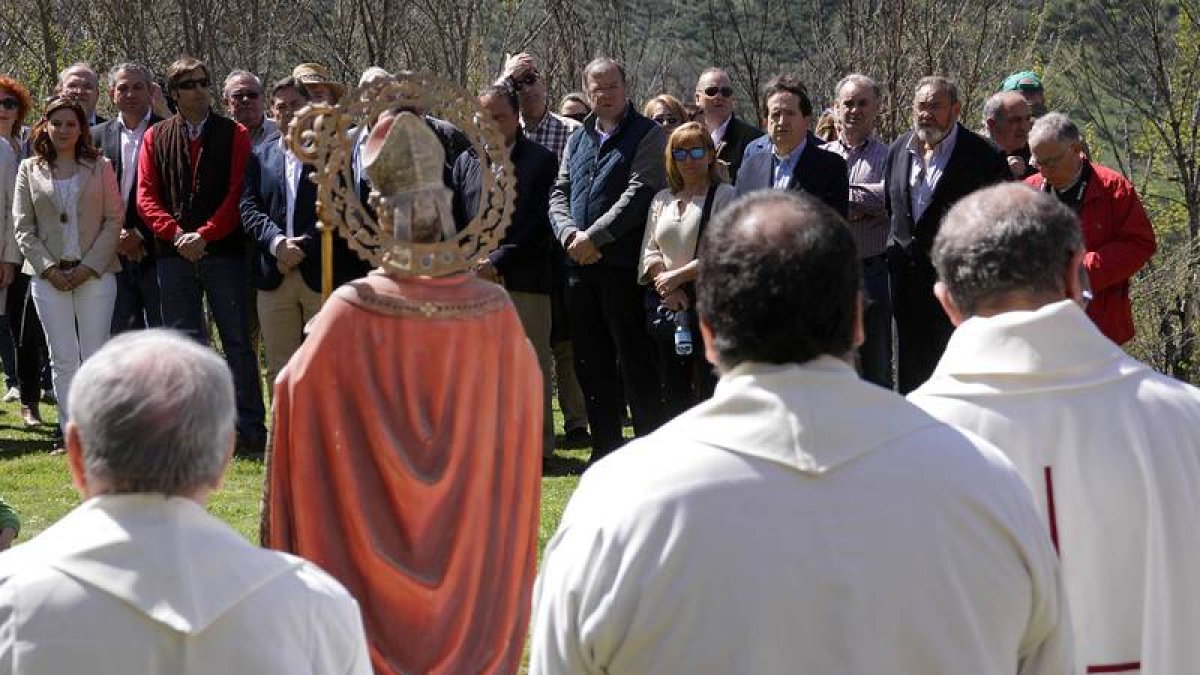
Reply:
x=404, y=160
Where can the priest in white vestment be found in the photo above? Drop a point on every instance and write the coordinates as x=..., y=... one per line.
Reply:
x=140, y=578
x=802, y=520
x=1110, y=448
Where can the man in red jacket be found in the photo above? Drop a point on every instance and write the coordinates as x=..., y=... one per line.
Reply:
x=1117, y=234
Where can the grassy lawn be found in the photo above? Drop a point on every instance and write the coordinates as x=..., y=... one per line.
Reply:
x=38, y=485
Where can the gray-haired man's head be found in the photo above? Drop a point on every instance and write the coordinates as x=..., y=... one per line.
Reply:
x=1006, y=247
x=151, y=412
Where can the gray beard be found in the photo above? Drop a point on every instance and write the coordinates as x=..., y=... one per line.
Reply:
x=930, y=135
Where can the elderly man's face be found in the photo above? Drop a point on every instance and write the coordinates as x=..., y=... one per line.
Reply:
x=714, y=95
x=934, y=114
x=81, y=85
x=1011, y=130
x=1058, y=162
x=131, y=93
x=244, y=102
x=856, y=109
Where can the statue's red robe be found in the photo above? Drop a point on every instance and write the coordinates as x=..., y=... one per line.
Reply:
x=406, y=462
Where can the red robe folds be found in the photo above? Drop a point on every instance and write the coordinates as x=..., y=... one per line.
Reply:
x=406, y=462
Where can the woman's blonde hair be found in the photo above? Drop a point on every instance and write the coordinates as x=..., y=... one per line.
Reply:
x=689, y=135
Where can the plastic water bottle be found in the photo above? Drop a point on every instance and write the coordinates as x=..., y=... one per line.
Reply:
x=683, y=334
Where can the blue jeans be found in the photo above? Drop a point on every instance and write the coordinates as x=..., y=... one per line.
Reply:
x=138, y=304
x=223, y=280
x=875, y=354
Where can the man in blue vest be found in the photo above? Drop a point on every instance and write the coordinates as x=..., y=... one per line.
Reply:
x=611, y=169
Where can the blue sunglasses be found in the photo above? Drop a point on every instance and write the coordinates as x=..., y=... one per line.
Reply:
x=682, y=154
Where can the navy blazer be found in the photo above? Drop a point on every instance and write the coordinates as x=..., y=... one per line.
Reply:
x=107, y=137
x=737, y=136
x=523, y=256
x=264, y=217
x=818, y=172
x=973, y=164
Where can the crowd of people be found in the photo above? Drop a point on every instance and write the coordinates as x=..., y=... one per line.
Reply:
x=753, y=301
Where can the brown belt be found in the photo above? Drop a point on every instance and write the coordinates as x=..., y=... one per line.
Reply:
x=65, y=265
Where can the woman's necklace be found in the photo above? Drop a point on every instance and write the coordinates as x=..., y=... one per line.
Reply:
x=62, y=201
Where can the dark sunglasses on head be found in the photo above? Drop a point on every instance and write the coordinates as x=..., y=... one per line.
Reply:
x=681, y=154
x=9, y=103
x=665, y=120
x=727, y=92
x=520, y=83
x=244, y=96
x=189, y=85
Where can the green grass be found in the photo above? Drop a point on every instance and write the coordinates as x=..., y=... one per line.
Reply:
x=38, y=485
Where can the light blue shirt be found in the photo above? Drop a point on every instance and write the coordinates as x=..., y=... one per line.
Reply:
x=923, y=178
x=784, y=167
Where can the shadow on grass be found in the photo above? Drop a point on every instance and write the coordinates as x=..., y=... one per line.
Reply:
x=562, y=466
x=26, y=446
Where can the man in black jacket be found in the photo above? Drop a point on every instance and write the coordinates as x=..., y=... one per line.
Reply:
x=522, y=261
x=929, y=168
x=119, y=140
x=795, y=160
x=714, y=97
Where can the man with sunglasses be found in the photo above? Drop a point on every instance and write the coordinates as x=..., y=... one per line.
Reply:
x=190, y=172
x=730, y=135
x=245, y=102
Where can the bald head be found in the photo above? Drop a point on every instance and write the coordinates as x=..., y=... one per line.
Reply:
x=1004, y=245
x=779, y=280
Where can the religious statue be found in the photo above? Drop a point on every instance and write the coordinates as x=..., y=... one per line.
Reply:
x=405, y=453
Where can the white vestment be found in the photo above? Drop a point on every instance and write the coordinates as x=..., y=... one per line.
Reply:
x=801, y=521
x=1111, y=450
x=149, y=584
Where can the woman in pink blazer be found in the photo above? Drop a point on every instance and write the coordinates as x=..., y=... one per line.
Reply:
x=68, y=213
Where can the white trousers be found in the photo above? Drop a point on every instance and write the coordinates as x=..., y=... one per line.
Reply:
x=76, y=323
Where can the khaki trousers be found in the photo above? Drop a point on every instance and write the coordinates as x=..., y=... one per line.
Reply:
x=282, y=315
x=534, y=311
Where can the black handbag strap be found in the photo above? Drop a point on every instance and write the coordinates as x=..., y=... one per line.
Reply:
x=705, y=215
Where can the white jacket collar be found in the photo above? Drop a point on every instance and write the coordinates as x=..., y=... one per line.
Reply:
x=166, y=557
x=814, y=416
x=1057, y=342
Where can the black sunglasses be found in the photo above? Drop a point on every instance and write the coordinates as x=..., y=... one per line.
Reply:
x=189, y=85
x=9, y=103
x=244, y=96
x=665, y=120
x=681, y=154
x=727, y=92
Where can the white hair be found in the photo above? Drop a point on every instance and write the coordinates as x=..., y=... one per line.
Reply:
x=155, y=413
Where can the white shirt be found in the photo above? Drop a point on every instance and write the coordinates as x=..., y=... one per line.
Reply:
x=294, y=172
x=148, y=584
x=718, y=134
x=66, y=199
x=923, y=178
x=131, y=143
x=1116, y=447
x=785, y=165
x=800, y=521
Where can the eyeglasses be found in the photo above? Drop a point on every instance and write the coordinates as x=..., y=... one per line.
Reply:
x=189, y=85
x=244, y=96
x=710, y=92
x=520, y=83
x=681, y=154
x=665, y=120
x=10, y=103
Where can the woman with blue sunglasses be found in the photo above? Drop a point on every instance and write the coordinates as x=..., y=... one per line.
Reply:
x=669, y=260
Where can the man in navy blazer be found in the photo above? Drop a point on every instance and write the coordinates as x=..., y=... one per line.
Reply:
x=278, y=207
x=929, y=168
x=120, y=140
x=522, y=260
x=795, y=159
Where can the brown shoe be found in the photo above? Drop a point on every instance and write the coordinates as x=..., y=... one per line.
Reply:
x=31, y=416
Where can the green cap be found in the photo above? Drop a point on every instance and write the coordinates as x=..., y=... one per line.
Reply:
x=1026, y=80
